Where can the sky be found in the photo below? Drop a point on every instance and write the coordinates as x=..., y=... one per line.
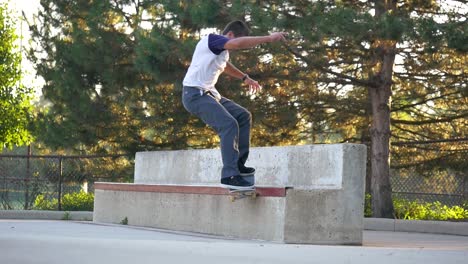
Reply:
x=29, y=7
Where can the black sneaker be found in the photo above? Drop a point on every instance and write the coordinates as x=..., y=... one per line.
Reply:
x=246, y=171
x=236, y=183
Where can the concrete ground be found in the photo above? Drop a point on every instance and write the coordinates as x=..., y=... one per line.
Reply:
x=46, y=241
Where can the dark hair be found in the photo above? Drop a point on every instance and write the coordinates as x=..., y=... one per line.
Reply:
x=237, y=27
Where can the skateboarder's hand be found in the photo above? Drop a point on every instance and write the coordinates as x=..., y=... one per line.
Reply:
x=254, y=87
x=278, y=36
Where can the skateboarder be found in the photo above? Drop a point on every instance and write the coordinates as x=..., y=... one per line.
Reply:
x=201, y=98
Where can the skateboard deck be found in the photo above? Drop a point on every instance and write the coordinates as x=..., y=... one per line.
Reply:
x=241, y=194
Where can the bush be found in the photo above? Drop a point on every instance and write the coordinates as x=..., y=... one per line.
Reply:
x=367, y=206
x=411, y=210
x=41, y=203
x=78, y=201
x=415, y=210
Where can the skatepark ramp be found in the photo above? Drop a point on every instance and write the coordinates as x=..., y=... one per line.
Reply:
x=306, y=194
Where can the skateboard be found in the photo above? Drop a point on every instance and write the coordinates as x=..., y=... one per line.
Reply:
x=241, y=194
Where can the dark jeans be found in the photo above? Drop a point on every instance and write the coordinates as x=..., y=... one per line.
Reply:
x=231, y=122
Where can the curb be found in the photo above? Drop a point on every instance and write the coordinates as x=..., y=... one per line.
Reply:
x=418, y=226
x=375, y=224
x=46, y=215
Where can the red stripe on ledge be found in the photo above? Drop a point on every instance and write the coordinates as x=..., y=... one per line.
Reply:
x=189, y=189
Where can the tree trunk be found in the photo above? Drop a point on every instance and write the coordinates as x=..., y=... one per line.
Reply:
x=381, y=190
x=380, y=96
x=366, y=139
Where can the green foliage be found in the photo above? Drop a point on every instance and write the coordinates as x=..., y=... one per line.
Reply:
x=42, y=203
x=124, y=221
x=367, y=205
x=79, y=201
x=15, y=107
x=413, y=210
x=105, y=58
x=66, y=216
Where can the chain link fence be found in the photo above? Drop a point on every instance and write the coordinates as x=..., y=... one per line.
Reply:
x=430, y=171
x=439, y=174
x=24, y=177
x=447, y=188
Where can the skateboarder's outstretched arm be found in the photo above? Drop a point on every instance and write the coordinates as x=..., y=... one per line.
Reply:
x=250, y=42
x=246, y=42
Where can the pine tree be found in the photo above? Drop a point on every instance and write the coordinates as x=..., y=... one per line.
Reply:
x=354, y=45
x=114, y=75
x=110, y=80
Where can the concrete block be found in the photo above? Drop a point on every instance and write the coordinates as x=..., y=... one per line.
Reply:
x=303, y=167
x=324, y=205
x=329, y=215
x=320, y=217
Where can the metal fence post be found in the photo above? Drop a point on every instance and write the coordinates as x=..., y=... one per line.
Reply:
x=60, y=185
x=27, y=179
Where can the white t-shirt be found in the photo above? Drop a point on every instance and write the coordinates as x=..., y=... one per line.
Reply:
x=208, y=62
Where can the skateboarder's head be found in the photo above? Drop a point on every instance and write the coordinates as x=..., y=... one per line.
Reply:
x=236, y=29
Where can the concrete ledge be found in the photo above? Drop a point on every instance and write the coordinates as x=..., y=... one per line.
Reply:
x=46, y=215
x=178, y=209
x=277, y=214
x=189, y=189
x=418, y=226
